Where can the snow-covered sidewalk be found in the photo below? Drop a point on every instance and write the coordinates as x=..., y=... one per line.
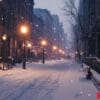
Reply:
x=95, y=78
x=55, y=80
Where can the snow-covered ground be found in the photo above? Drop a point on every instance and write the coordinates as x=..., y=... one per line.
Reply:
x=55, y=80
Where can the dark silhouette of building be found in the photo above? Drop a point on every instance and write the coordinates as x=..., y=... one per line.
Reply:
x=13, y=12
x=90, y=16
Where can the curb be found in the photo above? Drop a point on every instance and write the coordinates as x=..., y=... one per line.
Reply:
x=96, y=83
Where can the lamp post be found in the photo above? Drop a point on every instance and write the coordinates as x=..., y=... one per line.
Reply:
x=43, y=43
x=29, y=45
x=4, y=38
x=24, y=29
x=55, y=49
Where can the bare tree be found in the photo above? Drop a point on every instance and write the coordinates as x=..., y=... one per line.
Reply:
x=71, y=9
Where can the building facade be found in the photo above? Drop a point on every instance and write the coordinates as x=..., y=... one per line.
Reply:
x=90, y=16
x=43, y=26
x=52, y=30
x=12, y=12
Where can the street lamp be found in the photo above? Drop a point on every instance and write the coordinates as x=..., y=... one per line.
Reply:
x=60, y=50
x=54, y=48
x=43, y=43
x=24, y=30
x=29, y=45
x=4, y=38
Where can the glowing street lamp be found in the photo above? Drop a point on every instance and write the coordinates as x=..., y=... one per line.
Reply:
x=63, y=52
x=43, y=43
x=29, y=45
x=60, y=50
x=54, y=48
x=24, y=30
x=4, y=37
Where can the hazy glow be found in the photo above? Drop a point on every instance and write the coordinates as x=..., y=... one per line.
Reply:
x=24, y=29
x=54, y=48
x=29, y=45
x=43, y=42
x=4, y=37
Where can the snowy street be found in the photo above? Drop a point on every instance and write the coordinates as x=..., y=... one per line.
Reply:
x=55, y=80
